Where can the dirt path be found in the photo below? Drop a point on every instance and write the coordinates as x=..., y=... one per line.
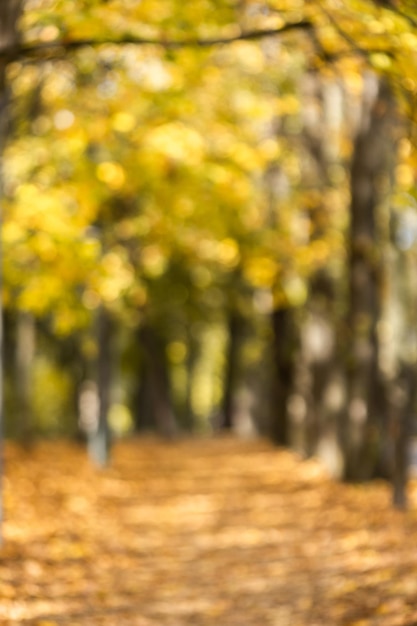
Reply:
x=200, y=533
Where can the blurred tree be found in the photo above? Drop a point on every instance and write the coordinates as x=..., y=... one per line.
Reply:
x=155, y=408
x=9, y=13
x=23, y=373
x=192, y=161
x=235, y=325
x=374, y=144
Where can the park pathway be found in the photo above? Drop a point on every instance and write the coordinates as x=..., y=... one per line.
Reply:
x=200, y=533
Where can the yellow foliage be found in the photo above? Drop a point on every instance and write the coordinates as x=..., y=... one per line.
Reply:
x=404, y=175
x=98, y=128
x=76, y=142
x=167, y=150
x=123, y=121
x=45, y=247
x=177, y=141
x=183, y=206
x=288, y=104
x=12, y=232
x=120, y=419
x=261, y=271
x=154, y=261
x=228, y=252
x=381, y=61
x=249, y=55
x=295, y=290
x=269, y=149
x=247, y=157
x=39, y=294
x=117, y=276
x=112, y=174
x=409, y=40
x=44, y=210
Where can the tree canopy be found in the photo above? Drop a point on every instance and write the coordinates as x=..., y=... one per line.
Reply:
x=138, y=145
x=185, y=166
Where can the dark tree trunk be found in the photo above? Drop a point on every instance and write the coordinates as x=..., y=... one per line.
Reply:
x=9, y=14
x=372, y=149
x=144, y=415
x=189, y=420
x=155, y=408
x=403, y=407
x=284, y=347
x=235, y=324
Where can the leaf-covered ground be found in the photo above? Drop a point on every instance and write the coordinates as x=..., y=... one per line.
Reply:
x=200, y=533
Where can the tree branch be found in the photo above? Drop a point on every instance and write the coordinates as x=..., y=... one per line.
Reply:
x=350, y=41
x=56, y=48
x=391, y=6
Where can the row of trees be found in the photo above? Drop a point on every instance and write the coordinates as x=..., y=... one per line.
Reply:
x=209, y=221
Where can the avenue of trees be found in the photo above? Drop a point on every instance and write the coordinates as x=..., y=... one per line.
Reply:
x=210, y=222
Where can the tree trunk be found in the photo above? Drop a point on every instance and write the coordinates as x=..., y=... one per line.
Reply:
x=99, y=434
x=284, y=346
x=156, y=396
x=9, y=14
x=189, y=420
x=231, y=374
x=403, y=406
x=25, y=351
x=398, y=347
x=320, y=377
x=327, y=385
x=372, y=149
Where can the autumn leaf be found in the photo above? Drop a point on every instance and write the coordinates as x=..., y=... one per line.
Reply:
x=151, y=538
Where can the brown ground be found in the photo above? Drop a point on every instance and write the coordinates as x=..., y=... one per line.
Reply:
x=199, y=533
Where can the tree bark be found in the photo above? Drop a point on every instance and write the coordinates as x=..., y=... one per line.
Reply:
x=231, y=374
x=403, y=406
x=9, y=13
x=320, y=373
x=398, y=346
x=284, y=347
x=156, y=406
x=372, y=149
x=321, y=354
x=25, y=352
x=99, y=434
x=189, y=420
